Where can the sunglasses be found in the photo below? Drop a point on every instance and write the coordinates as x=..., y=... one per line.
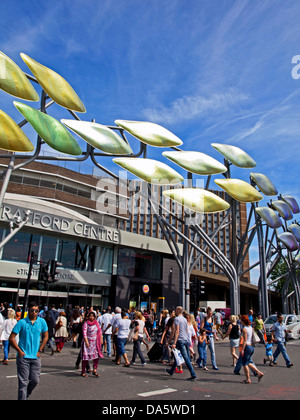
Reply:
x=34, y=310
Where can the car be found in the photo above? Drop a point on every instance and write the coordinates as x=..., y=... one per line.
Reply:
x=291, y=321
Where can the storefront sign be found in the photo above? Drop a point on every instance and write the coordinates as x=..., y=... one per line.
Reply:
x=146, y=289
x=60, y=224
x=12, y=270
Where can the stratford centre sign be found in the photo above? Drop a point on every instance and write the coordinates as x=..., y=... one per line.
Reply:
x=58, y=224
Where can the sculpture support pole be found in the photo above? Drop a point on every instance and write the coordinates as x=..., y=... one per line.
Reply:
x=6, y=180
x=295, y=283
x=186, y=255
x=229, y=270
x=264, y=303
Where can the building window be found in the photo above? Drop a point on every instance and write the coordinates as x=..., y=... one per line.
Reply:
x=140, y=264
x=72, y=255
x=19, y=248
x=49, y=247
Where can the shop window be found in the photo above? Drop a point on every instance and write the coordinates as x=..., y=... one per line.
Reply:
x=19, y=248
x=101, y=259
x=140, y=264
x=67, y=254
x=48, y=248
x=84, y=257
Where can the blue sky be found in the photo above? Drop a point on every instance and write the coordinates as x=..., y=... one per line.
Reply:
x=209, y=71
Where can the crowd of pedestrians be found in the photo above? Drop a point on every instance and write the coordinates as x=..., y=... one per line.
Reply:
x=107, y=334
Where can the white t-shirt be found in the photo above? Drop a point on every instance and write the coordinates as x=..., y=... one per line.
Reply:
x=123, y=326
x=7, y=328
x=249, y=335
x=192, y=333
x=105, y=320
x=141, y=327
x=115, y=319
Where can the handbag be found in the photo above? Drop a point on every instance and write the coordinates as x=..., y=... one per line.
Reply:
x=255, y=338
x=58, y=325
x=133, y=335
x=178, y=357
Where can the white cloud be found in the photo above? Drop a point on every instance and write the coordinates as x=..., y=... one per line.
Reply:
x=191, y=107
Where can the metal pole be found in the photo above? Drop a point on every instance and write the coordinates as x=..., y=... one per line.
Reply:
x=8, y=173
x=186, y=258
x=27, y=284
x=264, y=304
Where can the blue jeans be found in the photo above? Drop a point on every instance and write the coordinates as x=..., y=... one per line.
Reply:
x=211, y=347
x=184, y=348
x=202, y=355
x=29, y=371
x=6, y=347
x=239, y=365
x=281, y=348
x=248, y=353
x=107, y=338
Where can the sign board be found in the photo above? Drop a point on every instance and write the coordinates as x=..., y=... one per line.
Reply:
x=146, y=289
x=59, y=224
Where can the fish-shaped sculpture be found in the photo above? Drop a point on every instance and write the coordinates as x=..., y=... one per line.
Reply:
x=99, y=136
x=50, y=130
x=150, y=133
x=198, y=200
x=12, y=137
x=150, y=170
x=54, y=85
x=196, y=162
x=14, y=81
x=239, y=190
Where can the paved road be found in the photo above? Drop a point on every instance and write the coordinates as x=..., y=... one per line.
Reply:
x=60, y=380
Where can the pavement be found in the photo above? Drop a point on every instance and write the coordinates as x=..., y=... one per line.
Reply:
x=60, y=380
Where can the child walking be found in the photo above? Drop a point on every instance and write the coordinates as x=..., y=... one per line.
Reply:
x=202, y=341
x=269, y=352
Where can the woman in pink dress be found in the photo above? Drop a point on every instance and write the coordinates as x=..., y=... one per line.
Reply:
x=91, y=344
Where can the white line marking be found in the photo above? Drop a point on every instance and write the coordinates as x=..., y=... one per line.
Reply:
x=158, y=392
x=48, y=373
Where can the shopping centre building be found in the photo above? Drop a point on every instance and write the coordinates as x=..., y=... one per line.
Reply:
x=108, y=241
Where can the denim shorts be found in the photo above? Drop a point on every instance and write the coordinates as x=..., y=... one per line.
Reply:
x=121, y=346
x=234, y=342
x=246, y=359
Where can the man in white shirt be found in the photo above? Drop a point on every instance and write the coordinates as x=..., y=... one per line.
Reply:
x=181, y=342
x=106, y=320
x=113, y=324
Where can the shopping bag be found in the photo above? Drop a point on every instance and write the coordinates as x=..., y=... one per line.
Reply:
x=178, y=357
x=133, y=335
x=255, y=338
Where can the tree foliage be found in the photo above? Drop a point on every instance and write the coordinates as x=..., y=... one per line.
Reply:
x=280, y=269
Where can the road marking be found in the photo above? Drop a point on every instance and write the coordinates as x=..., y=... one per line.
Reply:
x=48, y=373
x=158, y=392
